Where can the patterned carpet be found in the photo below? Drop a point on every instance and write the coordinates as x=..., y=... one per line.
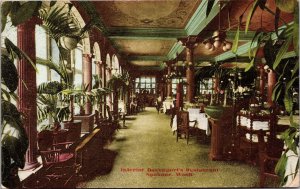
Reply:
x=146, y=154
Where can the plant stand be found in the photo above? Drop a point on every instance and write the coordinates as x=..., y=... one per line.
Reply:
x=87, y=124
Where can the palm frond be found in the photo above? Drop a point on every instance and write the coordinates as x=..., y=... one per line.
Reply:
x=59, y=23
x=15, y=52
x=50, y=87
x=117, y=82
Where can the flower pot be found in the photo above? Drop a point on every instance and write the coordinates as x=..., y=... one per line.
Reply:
x=214, y=112
x=218, y=111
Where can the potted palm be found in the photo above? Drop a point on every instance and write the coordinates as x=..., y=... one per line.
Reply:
x=80, y=95
x=118, y=84
x=215, y=109
x=50, y=104
x=14, y=140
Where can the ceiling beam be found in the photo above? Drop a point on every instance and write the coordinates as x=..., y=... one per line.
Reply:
x=149, y=68
x=148, y=33
x=199, y=20
x=177, y=48
x=147, y=58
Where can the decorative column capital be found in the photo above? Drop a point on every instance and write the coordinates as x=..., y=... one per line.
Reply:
x=87, y=56
x=98, y=62
x=190, y=42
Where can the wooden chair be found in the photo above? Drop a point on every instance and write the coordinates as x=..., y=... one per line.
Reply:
x=52, y=154
x=74, y=132
x=59, y=166
x=269, y=154
x=183, y=125
x=247, y=148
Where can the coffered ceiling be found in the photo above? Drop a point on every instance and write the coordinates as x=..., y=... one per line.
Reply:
x=147, y=14
x=146, y=32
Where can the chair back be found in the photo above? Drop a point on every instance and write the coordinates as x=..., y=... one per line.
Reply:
x=74, y=132
x=45, y=145
x=96, y=121
x=182, y=119
x=45, y=140
x=273, y=147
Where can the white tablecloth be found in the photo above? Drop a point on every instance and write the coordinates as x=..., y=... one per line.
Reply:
x=257, y=125
x=201, y=122
x=122, y=107
x=201, y=119
x=167, y=105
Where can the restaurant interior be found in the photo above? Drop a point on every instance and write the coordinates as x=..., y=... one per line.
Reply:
x=150, y=93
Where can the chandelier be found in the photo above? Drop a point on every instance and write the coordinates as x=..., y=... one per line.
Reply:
x=217, y=40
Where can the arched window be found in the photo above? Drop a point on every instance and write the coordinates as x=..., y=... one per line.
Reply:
x=77, y=66
x=115, y=65
x=95, y=61
x=46, y=50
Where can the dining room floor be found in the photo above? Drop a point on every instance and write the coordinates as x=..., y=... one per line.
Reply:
x=145, y=154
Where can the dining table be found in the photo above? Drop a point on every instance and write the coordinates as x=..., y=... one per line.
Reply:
x=167, y=105
x=195, y=115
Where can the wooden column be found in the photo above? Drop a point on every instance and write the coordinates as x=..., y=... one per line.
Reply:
x=104, y=85
x=216, y=148
x=190, y=72
x=27, y=91
x=271, y=84
x=162, y=91
x=110, y=95
x=169, y=81
x=99, y=73
x=87, y=78
x=262, y=81
x=179, y=96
